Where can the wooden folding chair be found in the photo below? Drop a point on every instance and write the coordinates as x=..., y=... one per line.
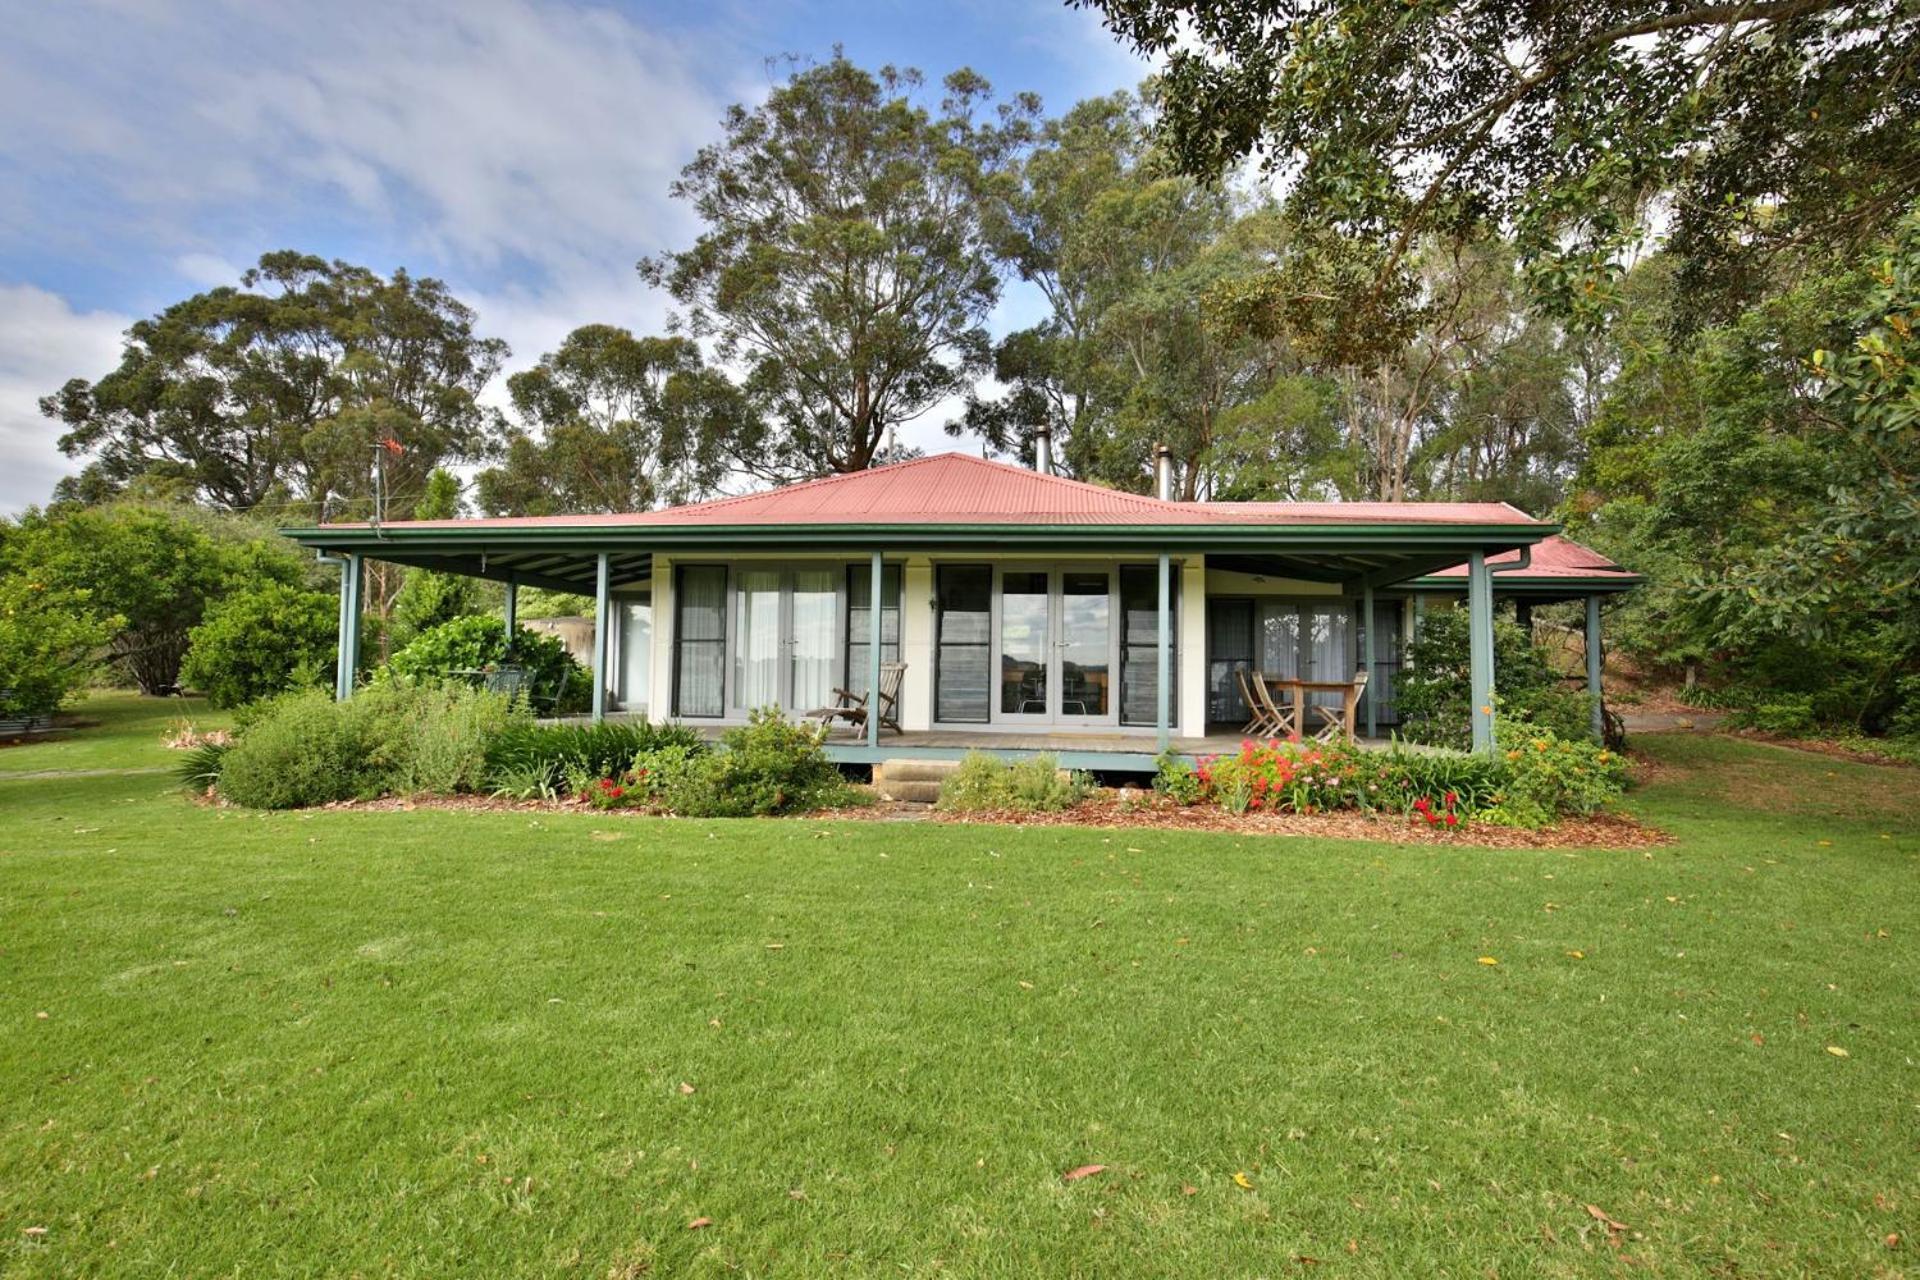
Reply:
x=1256, y=725
x=1337, y=722
x=852, y=707
x=1280, y=721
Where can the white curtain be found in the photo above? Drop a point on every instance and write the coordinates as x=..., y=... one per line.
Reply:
x=700, y=630
x=1279, y=640
x=1330, y=648
x=815, y=605
x=756, y=676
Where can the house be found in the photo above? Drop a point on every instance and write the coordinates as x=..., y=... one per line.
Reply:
x=1030, y=611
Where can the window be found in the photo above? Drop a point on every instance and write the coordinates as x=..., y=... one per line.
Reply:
x=1140, y=644
x=699, y=639
x=963, y=673
x=860, y=621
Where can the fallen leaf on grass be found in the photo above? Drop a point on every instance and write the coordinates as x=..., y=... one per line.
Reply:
x=685, y=1087
x=1757, y=1038
x=1488, y=960
x=33, y=1231
x=1614, y=1229
x=1189, y=1190
x=1243, y=1182
x=1576, y=955
x=1084, y=1171
x=698, y=1223
x=776, y=946
x=1837, y=1051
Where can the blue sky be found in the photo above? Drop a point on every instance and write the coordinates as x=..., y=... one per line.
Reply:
x=519, y=149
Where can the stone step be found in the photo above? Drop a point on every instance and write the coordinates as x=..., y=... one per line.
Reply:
x=888, y=771
x=921, y=792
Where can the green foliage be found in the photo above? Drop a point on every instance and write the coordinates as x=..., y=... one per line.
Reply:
x=1558, y=120
x=49, y=641
x=1177, y=780
x=527, y=760
x=158, y=569
x=200, y=766
x=1548, y=776
x=771, y=765
x=477, y=643
x=1789, y=715
x=844, y=260
x=256, y=643
x=304, y=749
x=282, y=387
x=1035, y=784
x=1433, y=688
x=611, y=422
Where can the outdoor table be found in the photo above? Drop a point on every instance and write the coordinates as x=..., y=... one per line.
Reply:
x=1297, y=691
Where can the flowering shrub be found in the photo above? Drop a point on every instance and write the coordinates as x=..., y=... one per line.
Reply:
x=1035, y=785
x=1548, y=776
x=1177, y=780
x=1445, y=816
x=1273, y=775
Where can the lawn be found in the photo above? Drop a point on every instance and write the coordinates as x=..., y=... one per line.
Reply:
x=437, y=1043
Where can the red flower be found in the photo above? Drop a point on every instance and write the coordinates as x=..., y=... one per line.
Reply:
x=1452, y=799
x=1453, y=819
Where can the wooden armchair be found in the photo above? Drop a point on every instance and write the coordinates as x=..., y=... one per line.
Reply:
x=852, y=707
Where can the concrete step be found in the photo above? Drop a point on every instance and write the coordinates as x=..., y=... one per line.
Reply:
x=909, y=792
x=913, y=770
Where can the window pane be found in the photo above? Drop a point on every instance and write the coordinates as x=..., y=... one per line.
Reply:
x=1086, y=644
x=1025, y=637
x=860, y=622
x=962, y=675
x=1139, y=654
x=815, y=609
x=699, y=632
x=756, y=639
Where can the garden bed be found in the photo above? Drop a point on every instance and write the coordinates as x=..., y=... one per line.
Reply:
x=1119, y=809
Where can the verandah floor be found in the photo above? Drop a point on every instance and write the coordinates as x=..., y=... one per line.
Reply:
x=1077, y=748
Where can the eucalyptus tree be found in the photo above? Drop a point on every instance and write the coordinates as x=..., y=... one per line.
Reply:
x=845, y=264
x=613, y=422
x=281, y=389
x=1757, y=126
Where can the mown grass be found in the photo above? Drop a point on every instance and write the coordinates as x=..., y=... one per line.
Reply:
x=108, y=731
x=438, y=1043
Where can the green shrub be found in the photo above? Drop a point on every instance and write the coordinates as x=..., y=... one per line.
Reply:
x=1433, y=689
x=530, y=760
x=1549, y=777
x=301, y=749
x=50, y=638
x=200, y=767
x=1403, y=775
x=1036, y=784
x=1177, y=780
x=771, y=765
x=256, y=643
x=479, y=643
x=1904, y=722
x=304, y=749
x=1787, y=714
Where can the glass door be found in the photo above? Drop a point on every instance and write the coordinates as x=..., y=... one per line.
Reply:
x=1085, y=652
x=1055, y=647
x=811, y=642
x=758, y=643
x=1025, y=646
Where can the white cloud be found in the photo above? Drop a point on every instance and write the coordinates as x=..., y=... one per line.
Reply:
x=483, y=133
x=43, y=342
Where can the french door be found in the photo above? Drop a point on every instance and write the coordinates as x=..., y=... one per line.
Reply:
x=786, y=637
x=1056, y=647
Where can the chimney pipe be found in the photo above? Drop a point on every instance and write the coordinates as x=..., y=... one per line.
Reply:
x=1163, y=473
x=1043, y=450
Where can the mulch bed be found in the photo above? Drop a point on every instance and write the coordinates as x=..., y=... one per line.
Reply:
x=1139, y=810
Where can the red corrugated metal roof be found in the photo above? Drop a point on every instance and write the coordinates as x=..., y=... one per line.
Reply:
x=957, y=488
x=1553, y=557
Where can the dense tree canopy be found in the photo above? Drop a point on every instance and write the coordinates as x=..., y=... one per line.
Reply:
x=611, y=422
x=281, y=389
x=844, y=262
x=1751, y=127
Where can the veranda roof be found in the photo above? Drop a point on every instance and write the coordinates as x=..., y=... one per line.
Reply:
x=952, y=502
x=1557, y=567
